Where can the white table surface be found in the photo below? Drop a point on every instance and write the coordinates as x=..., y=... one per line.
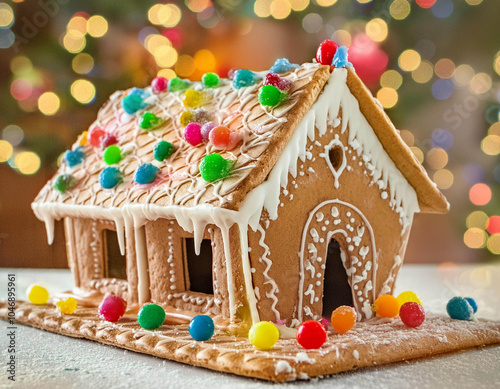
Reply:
x=47, y=360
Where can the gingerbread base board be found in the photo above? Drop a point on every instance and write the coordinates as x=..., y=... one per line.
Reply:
x=370, y=343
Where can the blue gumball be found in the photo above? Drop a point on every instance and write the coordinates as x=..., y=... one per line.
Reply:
x=340, y=59
x=472, y=303
x=243, y=78
x=145, y=173
x=74, y=157
x=283, y=65
x=110, y=177
x=459, y=309
x=201, y=327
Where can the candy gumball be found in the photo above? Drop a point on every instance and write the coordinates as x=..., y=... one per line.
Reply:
x=343, y=318
x=108, y=140
x=386, y=306
x=94, y=137
x=412, y=314
x=112, y=155
x=311, y=334
x=67, y=306
x=151, y=316
x=326, y=52
x=146, y=173
x=112, y=308
x=213, y=167
x=459, y=309
x=37, y=295
x=263, y=335
x=472, y=303
x=64, y=182
x=408, y=296
x=201, y=327
x=109, y=177
x=206, y=129
x=192, y=134
x=159, y=84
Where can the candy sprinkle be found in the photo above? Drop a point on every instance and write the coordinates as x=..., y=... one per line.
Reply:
x=64, y=182
x=146, y=173
x=74, y=157
x=270, y=96
x=112, y=155
x=201, y=327
x=386, y=306
x=163, y=150
x=210, y=80
x=243, y=78
x=283, y=65
x=343, y=318
x=149, y=121
x=151, y=316
x=214, y=167
x=67, y=306
x=109, y=177
x=37, y=295
x=459, y=309
x=112, y=308
x=263, y=335
x=311, y=334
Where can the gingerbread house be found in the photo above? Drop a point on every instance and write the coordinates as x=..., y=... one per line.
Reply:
x=314, y=213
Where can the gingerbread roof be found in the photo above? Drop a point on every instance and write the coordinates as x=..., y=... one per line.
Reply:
x=266, y=132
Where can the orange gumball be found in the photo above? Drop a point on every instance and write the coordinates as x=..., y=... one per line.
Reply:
x=220, y=136
x=344, y=318
x=386, y=306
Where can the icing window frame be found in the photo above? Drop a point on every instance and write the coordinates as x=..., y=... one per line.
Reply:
x=190, y=262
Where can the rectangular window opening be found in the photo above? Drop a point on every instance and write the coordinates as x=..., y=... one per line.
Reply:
x=115, y=263
x=199, y=267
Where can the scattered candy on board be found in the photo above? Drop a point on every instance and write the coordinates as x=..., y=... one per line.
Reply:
x=159, y=84
x=412, y=314
x=112, y=308
x=210, y=80
x=270, y=96
x=109, y=177
x=386, y=306
x=283, y=65
x=276, y=80
x=163, y=150
x=243, y=78
x=263, y=335
x=408, y=296
x=472, y=303
x=149, y=121
x=112, y=155
x=64, y=182
x=213, y=167
x=344, y=318
x=326, y=52
x=146, y=173
x=67, y=306
x=178, y=85
x=311, y=334
x=151, y=316
x=201, y=327
x=459, y=309
x=74, y=157
x=37, y=294
x=192, y=134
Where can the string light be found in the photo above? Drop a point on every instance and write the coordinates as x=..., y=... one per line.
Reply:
x=491, y=145
x=437, y=158
x=27, y=162
x=423, y=73
x=377, y=29
x=6, y=16
x=477, y=219
x=391, y=79
x=480, y=194
x=475, y=238
x=97, y=26
x=444, y=68
x=443, y=179
x=280, y=9
x=83, y=91
x=409, y=60
x=388, y=97
x=299, y=5
x=6, y=150
x=400, y=9
x=48, y=103
x=83, y=63
x=494, y=244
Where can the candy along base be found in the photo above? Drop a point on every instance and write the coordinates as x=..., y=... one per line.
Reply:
x=370, y=343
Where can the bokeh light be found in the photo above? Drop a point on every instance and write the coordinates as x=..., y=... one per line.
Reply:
x=491, y=145
x=13, y=134
x=480, y=194
x=6, y=150
x=74, y=41
x=300, y=5
x=312, y=23
x=475, y=238
x=496, y=63
x=477, y=219
x=473, y=173
x=167, y=73
x=27, y=162
x=419, y=154
x=377, y=29
x=443, y=178
x=21, y=65
x=425, y=3
x=444, y=68
x=391, y=79
x=463, y=75
x=205, y=61
x=21, y=89
x=400, y=9
x=442, y=9
x=481, y=83
x=423, y=73
x=48, y=103
x=97, y=26
x=493, y=224
x=78, y=24
x=83, y=91
x=280, y=9
x=83, y=63
x=185, y=66
x=388, y=97
x=409, y=60
x=408, y=137
x=494, y=129
x=442, y=89
x=327, y=3
x=494, y=244
x=442, y=138
x=437, y=158
x=6, y=15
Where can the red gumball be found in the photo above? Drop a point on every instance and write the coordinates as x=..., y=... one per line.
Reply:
x=311, y=334
x=412, y=314
x=112, y=308
x=277, y=81
x=220, y=137
x=326, y=52
x=108, y=140
x=159, y=84
x=94, y=137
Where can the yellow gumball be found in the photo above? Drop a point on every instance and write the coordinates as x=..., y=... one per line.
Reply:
x=37, y=295
x=408, y=297
x=67, y=306
x=263, y=335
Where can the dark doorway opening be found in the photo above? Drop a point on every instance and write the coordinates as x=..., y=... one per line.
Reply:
x=115, y=262
x=199, y=267
x=336, y=288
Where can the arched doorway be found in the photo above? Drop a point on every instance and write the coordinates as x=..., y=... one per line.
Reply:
x=336, y=288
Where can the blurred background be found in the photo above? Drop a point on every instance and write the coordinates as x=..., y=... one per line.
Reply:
x=433, y=64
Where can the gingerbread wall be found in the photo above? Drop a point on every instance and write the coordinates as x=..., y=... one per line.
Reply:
x=356, y=213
